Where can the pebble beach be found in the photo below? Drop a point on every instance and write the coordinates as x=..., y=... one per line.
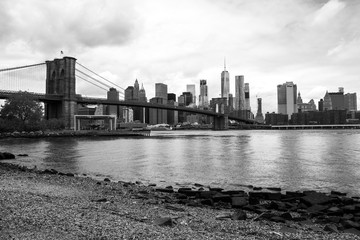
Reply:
x=51, y=205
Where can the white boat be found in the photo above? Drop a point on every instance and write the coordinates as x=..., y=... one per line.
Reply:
x=159, y=127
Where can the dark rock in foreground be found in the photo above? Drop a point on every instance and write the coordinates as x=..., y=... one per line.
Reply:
x=6, y=155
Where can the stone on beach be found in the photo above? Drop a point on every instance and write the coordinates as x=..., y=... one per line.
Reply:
x=6, y=155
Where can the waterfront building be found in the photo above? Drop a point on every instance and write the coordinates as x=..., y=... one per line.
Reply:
x=247, y=97
x=191, y=88
x=276, y=119
x=239, y=93
x=203, y=97
x=259, y=116
x=225, y=83
x=287, y=98
x=350, y=101
x=317, y=117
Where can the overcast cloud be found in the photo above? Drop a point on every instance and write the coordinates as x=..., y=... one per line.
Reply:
x=315, y=44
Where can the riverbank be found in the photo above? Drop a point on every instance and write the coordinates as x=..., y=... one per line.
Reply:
x=71, y=133
x=52, y=205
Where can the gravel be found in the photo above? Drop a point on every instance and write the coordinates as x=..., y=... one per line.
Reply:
x=34, y=205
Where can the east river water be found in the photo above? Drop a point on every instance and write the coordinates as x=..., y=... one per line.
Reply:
x=321, y=160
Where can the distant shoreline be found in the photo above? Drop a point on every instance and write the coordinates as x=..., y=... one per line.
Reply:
x=71, y=133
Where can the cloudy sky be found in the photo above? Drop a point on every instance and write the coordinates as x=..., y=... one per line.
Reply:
x=314, y=43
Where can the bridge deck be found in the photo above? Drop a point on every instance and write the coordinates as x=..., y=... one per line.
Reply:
x=87, y=100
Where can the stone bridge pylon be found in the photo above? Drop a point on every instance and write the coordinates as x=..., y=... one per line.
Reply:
x=60, y=80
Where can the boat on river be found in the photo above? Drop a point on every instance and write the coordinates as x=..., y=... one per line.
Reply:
x=159, y=127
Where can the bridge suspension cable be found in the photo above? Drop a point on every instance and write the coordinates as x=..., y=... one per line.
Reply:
x=23, y=78
x=114, y=84
x=26, y=66
x=91, y=82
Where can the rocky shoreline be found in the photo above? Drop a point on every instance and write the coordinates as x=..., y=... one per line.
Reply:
x=47, y=204
x=71, y=133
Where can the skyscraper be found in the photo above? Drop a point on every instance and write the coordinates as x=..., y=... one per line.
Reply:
x=259, y=116
x=161, y=90
x=225, y=84
x=203, y=97
x=142, y=94
x=129, y=93
x=247, y=97
x=239, y=93
x=191, y=88
x=136, y=90
x=287, y=98
x=159, y=115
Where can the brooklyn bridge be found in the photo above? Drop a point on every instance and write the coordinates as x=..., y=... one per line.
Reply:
x=61, y=100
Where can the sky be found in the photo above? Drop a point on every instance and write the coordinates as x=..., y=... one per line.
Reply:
x=313, y=43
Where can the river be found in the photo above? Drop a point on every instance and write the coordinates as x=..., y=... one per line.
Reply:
x=320, y=160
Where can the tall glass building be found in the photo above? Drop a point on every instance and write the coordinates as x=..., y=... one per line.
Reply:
x=287, y=94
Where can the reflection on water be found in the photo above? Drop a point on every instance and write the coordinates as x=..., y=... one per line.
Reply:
x=301, y=159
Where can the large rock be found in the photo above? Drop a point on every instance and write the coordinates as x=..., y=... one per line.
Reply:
x=315, y=198
x=238, y=202
x=6, y=155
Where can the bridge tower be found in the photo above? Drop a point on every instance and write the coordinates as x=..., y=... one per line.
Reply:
x=220, y=122
x=60, y=80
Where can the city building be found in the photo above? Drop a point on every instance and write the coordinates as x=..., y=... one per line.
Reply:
x=171, y=97
x=136, y=91
x=113, y=95
x=187, y=98
x=161, y=90
x=157, y=116
x=337, y=100
x=305, y=107
x=191, y=88
x=239, y=93
x=225, y=83
x=287, y=93
x=327, y=104
x=203, y=97
x=350, y=101
x=247, y=97
x=276, y=119
x=321, y=105
x=142, y=94
x=129, y=93
x=259, y=116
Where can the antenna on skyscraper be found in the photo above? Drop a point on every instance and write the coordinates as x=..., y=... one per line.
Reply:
x=224, y=63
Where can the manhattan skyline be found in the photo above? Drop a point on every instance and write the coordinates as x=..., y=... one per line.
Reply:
x=314, y=44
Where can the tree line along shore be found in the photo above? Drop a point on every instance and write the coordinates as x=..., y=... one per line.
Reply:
x=47, y=204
